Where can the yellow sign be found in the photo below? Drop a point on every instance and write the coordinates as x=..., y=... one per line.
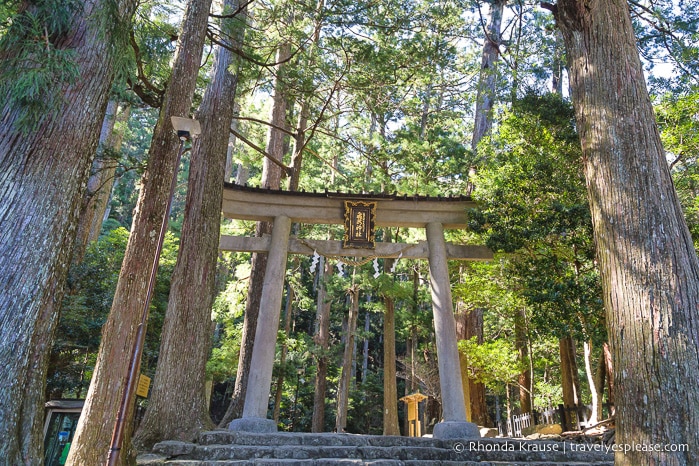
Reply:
x=143, y=386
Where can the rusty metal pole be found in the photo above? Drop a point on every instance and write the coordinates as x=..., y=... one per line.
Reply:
x=135, y=362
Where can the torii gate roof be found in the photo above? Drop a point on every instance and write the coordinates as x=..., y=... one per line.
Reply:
x=248, y=203
x=416, y=211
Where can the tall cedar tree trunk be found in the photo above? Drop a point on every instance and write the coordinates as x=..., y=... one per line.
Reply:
x=648, y=265
x=279, y=386
x=271, y=178
x=343, y=387
x=570, y=382
x=487, y=80
x=99, y=185
x=469, y=324
x=390, y=382
x=524, y=379
x=365, y=347
x=322, y=340
x=557, y=65
x=177, y=408
x=304, y=113
x=94, y=432
x=42, y=176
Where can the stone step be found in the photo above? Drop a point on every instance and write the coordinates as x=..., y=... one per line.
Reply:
x=354, y=462
x=241, y=448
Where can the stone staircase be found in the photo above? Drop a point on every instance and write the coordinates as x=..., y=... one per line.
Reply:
x=226, y=448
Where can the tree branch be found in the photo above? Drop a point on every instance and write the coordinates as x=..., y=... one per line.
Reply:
x=234, y=14
x=147, y=91
x=284, y=168
x=267, y=123
x=215, y=39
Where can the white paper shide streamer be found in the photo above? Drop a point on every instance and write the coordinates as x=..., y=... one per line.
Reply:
x=314, y=262
x=393, y=269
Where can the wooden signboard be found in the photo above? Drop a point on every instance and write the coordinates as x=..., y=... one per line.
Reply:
x=360, y=221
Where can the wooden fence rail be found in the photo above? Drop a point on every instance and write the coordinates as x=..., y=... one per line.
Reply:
x=569, y=417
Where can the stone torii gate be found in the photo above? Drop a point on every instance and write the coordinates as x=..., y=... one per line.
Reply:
x=360, y=213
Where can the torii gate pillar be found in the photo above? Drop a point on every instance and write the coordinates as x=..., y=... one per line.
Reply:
x=454, y=424
x=260, y=379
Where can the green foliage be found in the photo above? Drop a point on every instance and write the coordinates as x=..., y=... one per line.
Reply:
x=677, y=120
x=667, y=33
x=35, y=66
x=132, y=164
x=534, y=206
x=151, y=43
x=532, y=188
x=494, y=363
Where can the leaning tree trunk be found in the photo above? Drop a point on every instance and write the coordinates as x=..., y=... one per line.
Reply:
x=42, y=175
x=99, y=185
x=94, y=433
x=648, y=265
x=177, y=408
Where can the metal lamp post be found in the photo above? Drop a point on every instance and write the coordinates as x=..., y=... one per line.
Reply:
x=186, y=129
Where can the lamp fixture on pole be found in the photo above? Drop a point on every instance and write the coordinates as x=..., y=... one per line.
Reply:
x=186, y=129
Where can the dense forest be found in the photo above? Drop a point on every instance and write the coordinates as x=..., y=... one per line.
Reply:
x=586, y=184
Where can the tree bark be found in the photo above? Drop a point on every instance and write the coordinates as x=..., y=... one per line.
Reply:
x=322, y=340
x=469, y=325
x=94, y=432
x=609, y=372
x=390, y=383
x=390, y=386
x=282, y=357
x=177, y=408
x=570, y=381
x=487, y=80
x=648, y=265
x=525, y=377
x=42, y=175
x=99, y=185
x=343, y=388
